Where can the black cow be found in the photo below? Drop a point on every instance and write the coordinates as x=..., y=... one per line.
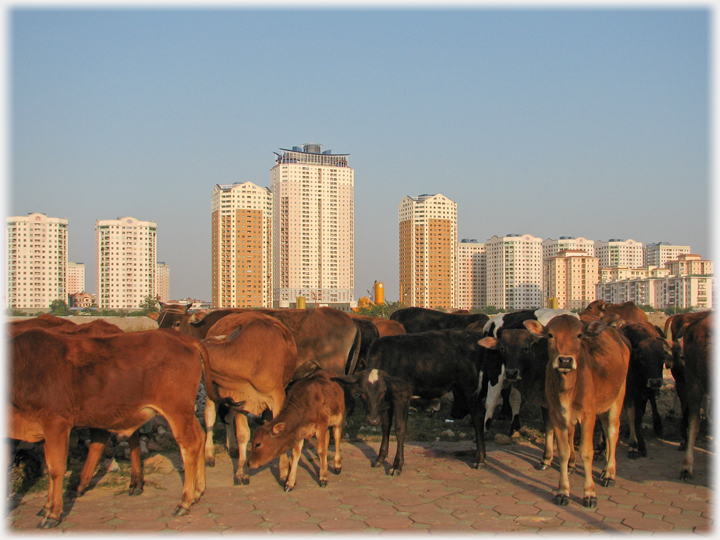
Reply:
x=649, y=352
x=433, y=363
x=416, y=319
x=494, y=327
x=525, y=358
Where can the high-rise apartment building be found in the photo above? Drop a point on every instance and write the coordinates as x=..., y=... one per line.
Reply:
x=616, y=252
x=162, y=281
x=514, y=272
x=428, y=251
x=37, y=258
x=690, y=265
x=470, y=282
x=313, y=227
x=75, y=278
x=552, y=246
x=126, y=262
x=570, y=276
x=662, y=252
x=242, y=240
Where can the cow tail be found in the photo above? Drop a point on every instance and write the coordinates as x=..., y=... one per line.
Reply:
x=224, y=405
x=666, y=328
x=355, y=350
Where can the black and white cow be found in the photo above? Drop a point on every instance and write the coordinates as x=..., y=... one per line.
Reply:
x=427, y=365
x=494, y=328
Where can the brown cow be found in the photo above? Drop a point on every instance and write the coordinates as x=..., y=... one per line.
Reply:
x=628, y=311
x=253, y=357
x=697, y=351
x=116, y=383
x=585, y=378
x=312, y=405
x=326, y=338
x=41, y=321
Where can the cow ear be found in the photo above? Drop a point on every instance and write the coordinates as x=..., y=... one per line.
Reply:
x=163, y=305
x=595, y=328
x=277, y=429
x=488, y=342
x=197, y=317
x=534, y=327
x=153, y=315
x=347, y=379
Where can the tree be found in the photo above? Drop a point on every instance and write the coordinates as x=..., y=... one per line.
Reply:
x=149, y=304
x=381, y=310
x=59, y=308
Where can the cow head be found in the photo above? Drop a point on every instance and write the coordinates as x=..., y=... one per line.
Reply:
x=651, y=355
x=372, y=387
x=565, y=336
x=516, y=347
x=171, y=315
x=269, y=441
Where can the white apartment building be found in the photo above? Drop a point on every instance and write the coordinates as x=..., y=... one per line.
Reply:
x=37, y=260
x=551, y=246
x=162, y=281
x=662, y=252
x=75, y=278
x=570, y=277
x=617, y=252
x=428, y=251
x=514, y=272
x=470, y=283
x=661, y=292
x=313, y=227
x=242, y=246
x=690, y=264
x=126, y=262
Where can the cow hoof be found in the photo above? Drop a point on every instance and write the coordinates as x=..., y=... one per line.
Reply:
x=243, y=480
x=210, y=462
x=48, y=523
x=542, y=466
x=608, y=482
x=633, y=454
x=180, y=511
x=288, y=488
x=395, y=472
x=478, y=465
x=377, y=463
x=590, y=502
x=686, y=475
x=561, y=500
x=337, y=470
x=42, y=512
x=323, y=483
x=135, y=490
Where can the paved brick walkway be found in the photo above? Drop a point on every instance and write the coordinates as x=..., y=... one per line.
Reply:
x=437, y=493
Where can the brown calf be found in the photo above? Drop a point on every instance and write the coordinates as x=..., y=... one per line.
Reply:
x=254, y=364
x=585, y=378
x=312, y=405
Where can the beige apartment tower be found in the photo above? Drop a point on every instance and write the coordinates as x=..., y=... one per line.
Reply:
x=313, y=227
x=75, y=278
x=570, y=276
x=126, y=262
x=37, y=259
x=470, y=284
x=428, y=251
x=242, y=246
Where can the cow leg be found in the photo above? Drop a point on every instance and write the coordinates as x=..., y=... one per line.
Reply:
x=506, y=408
x=231, y=441
x=515, y=400
x=337, y=459
x=322, y=434
x=137, y=480
x=210, y=416
x=292, y=474
x=476, y=414
x=587, y=452
x=491, y=400
x=631, y=419
x=401, y=408
x=640, y=404
x=386, y=415
x=242, y=429
x=656, y=419
x=98, y=440
x=57, y=440
x=694, y=402
x=549, y=441
x=564, y=443
x=611, y=424
x=188, y=435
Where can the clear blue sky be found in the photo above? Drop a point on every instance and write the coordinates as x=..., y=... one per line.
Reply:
x=550, y=122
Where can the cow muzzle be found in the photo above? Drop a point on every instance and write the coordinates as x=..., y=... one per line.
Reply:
x=373, y=420
x=512, y=375
x=654, y=385
x=564, y=364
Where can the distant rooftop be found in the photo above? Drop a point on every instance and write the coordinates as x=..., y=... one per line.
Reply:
x=311, y=153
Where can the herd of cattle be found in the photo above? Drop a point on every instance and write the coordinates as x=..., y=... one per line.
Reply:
x=299, y=371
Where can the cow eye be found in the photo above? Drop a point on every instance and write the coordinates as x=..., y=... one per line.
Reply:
x=579, y=336
x=257, y=445
x=550, y=336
